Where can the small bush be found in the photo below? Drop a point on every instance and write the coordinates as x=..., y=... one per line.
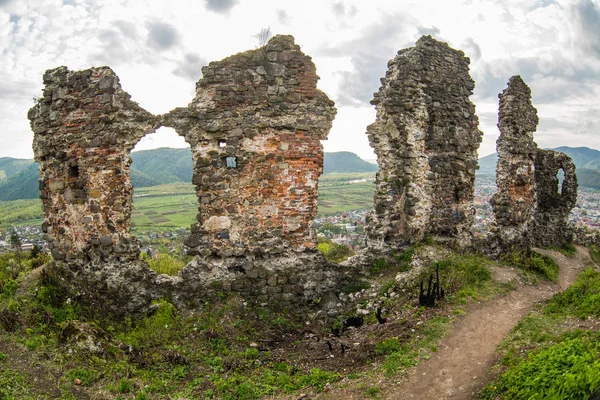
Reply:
x=153, y=330
x=568, y=250
x=166, y=264
x=355, y=286
x=334, y=252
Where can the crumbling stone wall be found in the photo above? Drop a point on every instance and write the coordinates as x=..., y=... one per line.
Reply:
x=515, y=201
x=255, y=127
x=426, y=138
x=84, y=128
x=551, y=227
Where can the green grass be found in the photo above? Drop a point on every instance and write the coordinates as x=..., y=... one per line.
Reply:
x=595, y=254
x=545, y=356
x=458, y=275
x=335, y=198
x=401, y=355
x=534, y=263
x=568, y=250
x=206, y=354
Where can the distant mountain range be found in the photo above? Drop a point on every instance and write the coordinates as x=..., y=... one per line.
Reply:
x=19, y=177
x=586, y=160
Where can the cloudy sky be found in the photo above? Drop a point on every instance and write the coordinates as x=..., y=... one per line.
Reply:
x=158, y=48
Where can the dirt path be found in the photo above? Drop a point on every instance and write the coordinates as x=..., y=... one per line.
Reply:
x=458, y=370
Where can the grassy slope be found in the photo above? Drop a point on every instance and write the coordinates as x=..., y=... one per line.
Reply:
x=554, y=352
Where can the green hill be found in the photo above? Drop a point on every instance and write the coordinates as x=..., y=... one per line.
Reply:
x=11, y=166
x=589, y=178
x=148, y=168
x=583, y=157
x=160, y=166
x=344, y=161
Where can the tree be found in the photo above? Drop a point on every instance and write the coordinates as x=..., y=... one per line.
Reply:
x=263, y=36
x=16, y=243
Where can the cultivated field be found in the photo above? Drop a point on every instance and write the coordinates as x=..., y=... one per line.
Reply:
x=172, y=206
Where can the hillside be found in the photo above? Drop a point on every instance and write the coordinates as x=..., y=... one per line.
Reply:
x=148, y=168
x=22, y=183
x=12, y=166
x=583, y=157
x=586, y=160
x=344, y=161
x=161, y=166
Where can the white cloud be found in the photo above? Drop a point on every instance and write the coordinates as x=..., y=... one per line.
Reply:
x=157, y=49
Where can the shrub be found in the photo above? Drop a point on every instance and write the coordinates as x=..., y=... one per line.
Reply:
x=166, y=264
x=334, y=252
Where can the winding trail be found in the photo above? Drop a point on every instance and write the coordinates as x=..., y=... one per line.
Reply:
x=459, y=369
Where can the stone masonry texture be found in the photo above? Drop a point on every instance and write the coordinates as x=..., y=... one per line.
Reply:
x=254, y=127
x=426, y=138
x=551, y=226
x=84, y=128
x=515, y=201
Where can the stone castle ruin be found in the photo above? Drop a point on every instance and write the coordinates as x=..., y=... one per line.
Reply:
x=530, y=209
x=254, y=128
x=426, y=140
x=514, y=203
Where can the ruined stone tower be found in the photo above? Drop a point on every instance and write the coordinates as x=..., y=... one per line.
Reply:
x=514, y=203
x=551, y=221
x=529, y=208
x=255, y=127
x=426, y=138
x=84, y=129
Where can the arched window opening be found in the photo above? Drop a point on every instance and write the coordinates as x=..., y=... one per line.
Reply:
x=164, y=201
x=561, y=178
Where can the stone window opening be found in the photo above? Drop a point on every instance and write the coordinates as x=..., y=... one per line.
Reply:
x=231, y=162
x=165, y=204
x=222, y=143
x=560, y=175
x=74, y=171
